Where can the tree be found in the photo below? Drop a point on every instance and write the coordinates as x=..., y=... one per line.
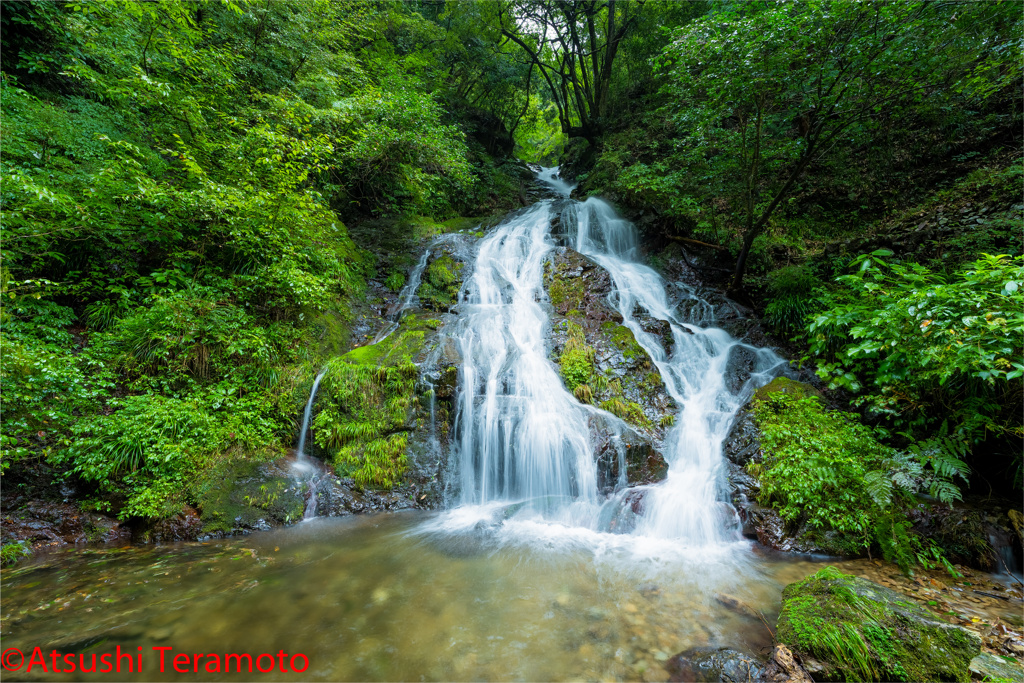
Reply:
x=573, y=44
x=765, y=90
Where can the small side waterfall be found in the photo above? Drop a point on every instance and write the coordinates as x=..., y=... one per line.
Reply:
x=408, y=293
x=406, y=297
x=300, y=449
x=303, y=466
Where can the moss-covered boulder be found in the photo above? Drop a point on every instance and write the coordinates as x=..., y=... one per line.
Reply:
x=238, y=496
x=441, y=282
x=846, y=628
x=785, y=385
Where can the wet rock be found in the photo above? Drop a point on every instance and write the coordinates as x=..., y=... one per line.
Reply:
x=743, y=442
x=782, y=667
x=988, y=666
x=185, y=526
x=243, y=496
x=897, y=639
x=51, y=524
x=739, y=365
x=622, y=381
x=712, y=665
x=618, y=448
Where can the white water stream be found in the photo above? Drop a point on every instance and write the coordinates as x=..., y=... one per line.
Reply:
x=524, y=443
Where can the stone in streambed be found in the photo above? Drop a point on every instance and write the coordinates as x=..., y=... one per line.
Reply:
x=988, y=666
x=711, y=665
x=860, y=630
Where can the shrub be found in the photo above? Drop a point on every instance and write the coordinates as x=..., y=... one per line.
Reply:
x=792, y=299
x=827, y=470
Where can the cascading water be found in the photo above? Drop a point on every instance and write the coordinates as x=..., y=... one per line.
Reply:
x=521, y=437
x=405, y=299
x=303, y=466
x=691, y=503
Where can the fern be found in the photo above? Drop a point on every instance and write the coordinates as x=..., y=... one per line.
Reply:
x=879, y=487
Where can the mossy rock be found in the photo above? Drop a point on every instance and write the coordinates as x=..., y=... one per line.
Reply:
x=366, y=404
x=331, y=333
x=441, y=283
x=247, y=495
x=857, y=630
x=784, y=385
x=461, y=223
x=624, y=340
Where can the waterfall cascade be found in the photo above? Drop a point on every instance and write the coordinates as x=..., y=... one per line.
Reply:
x=524, y=442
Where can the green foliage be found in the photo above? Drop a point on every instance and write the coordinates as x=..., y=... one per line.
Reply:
x=577, y=359
x=921, y=349
x=10, y=553
x=400, y=156
x=362, y=420
x=583, y=393
x=174, y=181
x=826, y=470
x=395, y=281
x=626, y=410
x=792, y=299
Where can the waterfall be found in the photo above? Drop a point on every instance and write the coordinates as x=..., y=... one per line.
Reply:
x=692, y=503
x=300, y=449
x=523, y=444
x=520, y=434
x=408, y=293
x=405, y=299
x=303, y=466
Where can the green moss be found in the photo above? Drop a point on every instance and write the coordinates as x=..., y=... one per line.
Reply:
x=577, y=359
x=364, y=403
x=626, y=410
x=239, y=493
x=785, y=385
x=623, y=339
x=461, y=223
x=362, y=419
x=864, y=632
x=441, y=283
x=566, y=293
x=331, y=333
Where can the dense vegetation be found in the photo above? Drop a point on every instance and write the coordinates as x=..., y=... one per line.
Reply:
x=195, y=195
x=177, y=178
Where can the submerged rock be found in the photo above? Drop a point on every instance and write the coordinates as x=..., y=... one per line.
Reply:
x=859, y=630
x=712, y=665
x=52, y=524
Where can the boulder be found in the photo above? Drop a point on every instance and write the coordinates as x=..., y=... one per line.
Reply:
x=988, y=666
x=785, y=385
x=712, y=665
x=859, y=630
